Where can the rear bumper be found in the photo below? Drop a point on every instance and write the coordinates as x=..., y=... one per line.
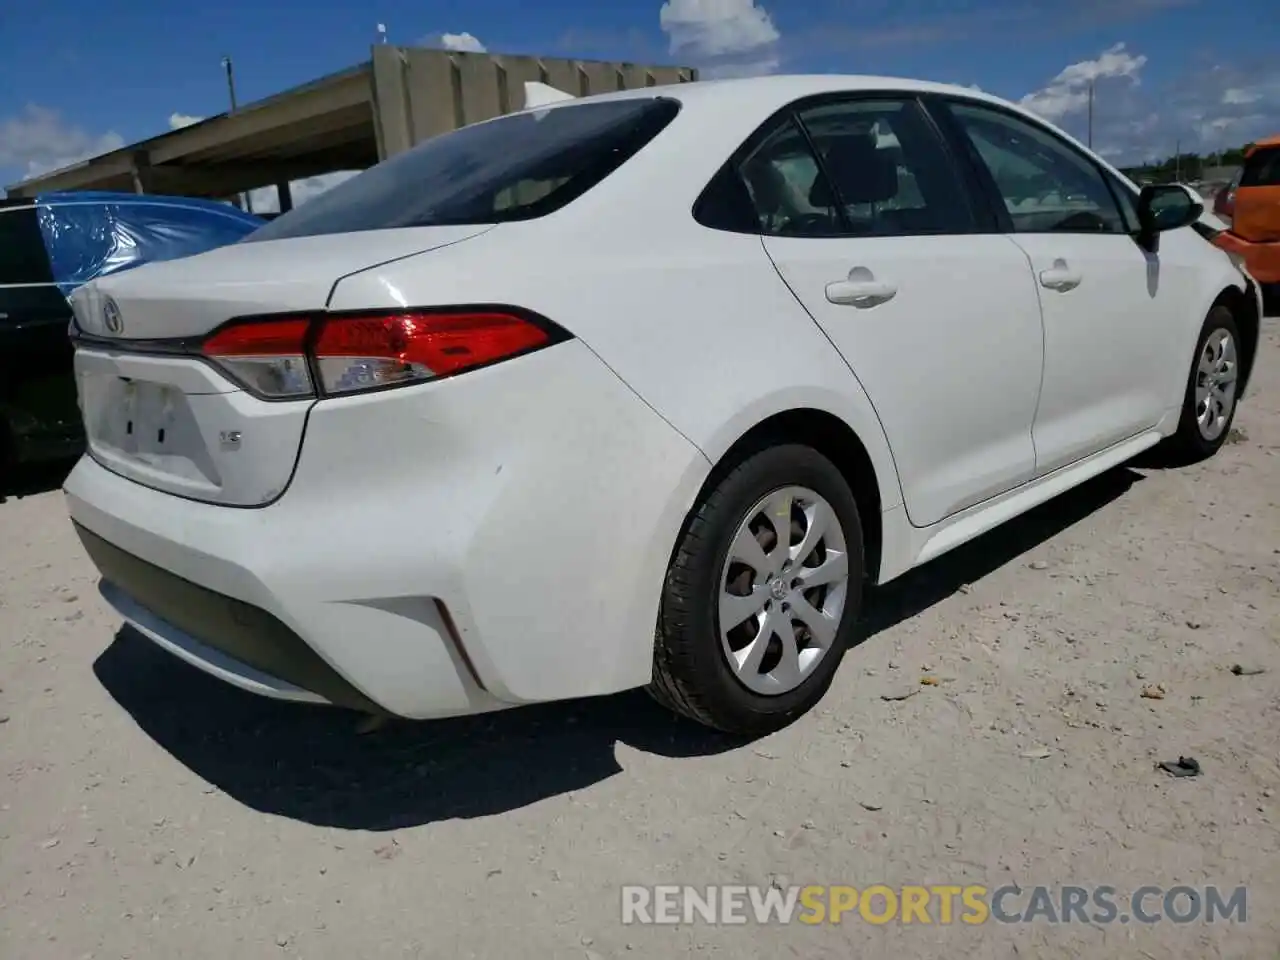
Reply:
x=496, y=539
x=1261, y=259
x=239, y=643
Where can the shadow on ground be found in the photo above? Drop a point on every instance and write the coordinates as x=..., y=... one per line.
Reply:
x=311, y=764
x=29, y=480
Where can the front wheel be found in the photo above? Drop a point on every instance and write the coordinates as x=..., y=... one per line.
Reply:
x=1209, y=404
x=762, y=595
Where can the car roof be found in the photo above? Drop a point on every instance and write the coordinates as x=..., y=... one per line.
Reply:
x=1273, y=141
x=777, y=90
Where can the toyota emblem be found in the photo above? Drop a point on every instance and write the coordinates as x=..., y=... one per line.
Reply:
x=111, y=316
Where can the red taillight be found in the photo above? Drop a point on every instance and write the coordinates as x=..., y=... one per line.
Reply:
x=369, y=351
x=363, y=352
x=259, y=338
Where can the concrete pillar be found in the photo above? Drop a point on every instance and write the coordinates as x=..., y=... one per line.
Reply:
x=434, y=91
x=390, y=101
x=140, y=172
x=285, y=195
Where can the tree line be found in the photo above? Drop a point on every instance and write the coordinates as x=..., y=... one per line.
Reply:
x=1186, y=166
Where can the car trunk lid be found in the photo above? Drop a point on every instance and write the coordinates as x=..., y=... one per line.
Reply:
x=195, y=295
x=160, y=413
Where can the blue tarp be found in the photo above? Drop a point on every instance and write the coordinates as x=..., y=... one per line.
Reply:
x=90, y=234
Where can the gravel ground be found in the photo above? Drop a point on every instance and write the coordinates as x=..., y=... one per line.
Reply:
x=147, y=811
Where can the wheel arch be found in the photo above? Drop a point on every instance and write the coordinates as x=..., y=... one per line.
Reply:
x=1243, y=305
x=836, y=440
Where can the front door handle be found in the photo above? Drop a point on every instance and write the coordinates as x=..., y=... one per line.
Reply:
x=861, y=289
x=1060, y=277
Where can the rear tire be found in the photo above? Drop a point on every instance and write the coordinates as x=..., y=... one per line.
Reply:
x=1209, y=403
x=800, y=600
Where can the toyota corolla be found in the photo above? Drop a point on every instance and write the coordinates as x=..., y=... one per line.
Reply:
x=640, y=389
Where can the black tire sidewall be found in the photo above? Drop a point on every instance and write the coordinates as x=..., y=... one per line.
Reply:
x=702, y=557
x=1189, y=435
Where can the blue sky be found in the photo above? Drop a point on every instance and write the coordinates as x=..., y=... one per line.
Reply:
x=74, y=81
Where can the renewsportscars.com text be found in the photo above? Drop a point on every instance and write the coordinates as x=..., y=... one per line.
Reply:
x=935, y=904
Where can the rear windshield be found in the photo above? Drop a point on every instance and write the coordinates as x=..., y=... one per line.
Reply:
x=514, y=168
x=1262, y=169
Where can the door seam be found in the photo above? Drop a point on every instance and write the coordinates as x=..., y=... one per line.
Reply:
x=897, y=474
x=1044, y=348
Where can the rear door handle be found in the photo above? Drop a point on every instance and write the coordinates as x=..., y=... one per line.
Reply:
x=861, y=289
x=1060, y=277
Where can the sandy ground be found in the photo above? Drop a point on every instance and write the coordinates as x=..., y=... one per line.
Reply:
x=147, y=811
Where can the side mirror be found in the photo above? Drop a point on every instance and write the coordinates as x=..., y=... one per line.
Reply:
x=1162, y=207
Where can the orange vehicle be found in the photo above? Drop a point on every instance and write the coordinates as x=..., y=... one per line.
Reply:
x=1255, y=226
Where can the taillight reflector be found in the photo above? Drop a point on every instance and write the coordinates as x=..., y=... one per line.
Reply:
x=268, y=357
x=351, y=353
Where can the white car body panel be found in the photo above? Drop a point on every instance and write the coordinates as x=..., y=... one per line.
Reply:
x=463, y=501
x=926, y=356
x=168, y=422
x=665, y=336
x=244, y=280
x=1111, y=341
x=1106, y=356
x=165, y=422
x=502, y=537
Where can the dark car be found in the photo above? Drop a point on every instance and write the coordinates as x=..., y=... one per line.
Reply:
x=49, y=246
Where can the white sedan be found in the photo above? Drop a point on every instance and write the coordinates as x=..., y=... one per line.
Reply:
x=637, y=389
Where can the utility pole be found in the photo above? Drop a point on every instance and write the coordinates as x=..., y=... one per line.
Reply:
x=245, y=199
x=1090, y=114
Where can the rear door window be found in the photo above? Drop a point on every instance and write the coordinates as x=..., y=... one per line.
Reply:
x=22, y=255
x=890, y=170
x=517, y=167
x=1262, y=169
x=880, y=170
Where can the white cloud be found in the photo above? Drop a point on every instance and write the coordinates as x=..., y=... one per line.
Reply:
x=39, y=139
x=1203, y=108
x=266, y=200
x=723, y=38
x=1220, y=129
x=1068, y=92
x=1236, y=95
x=179, y=120
x=462, y=42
